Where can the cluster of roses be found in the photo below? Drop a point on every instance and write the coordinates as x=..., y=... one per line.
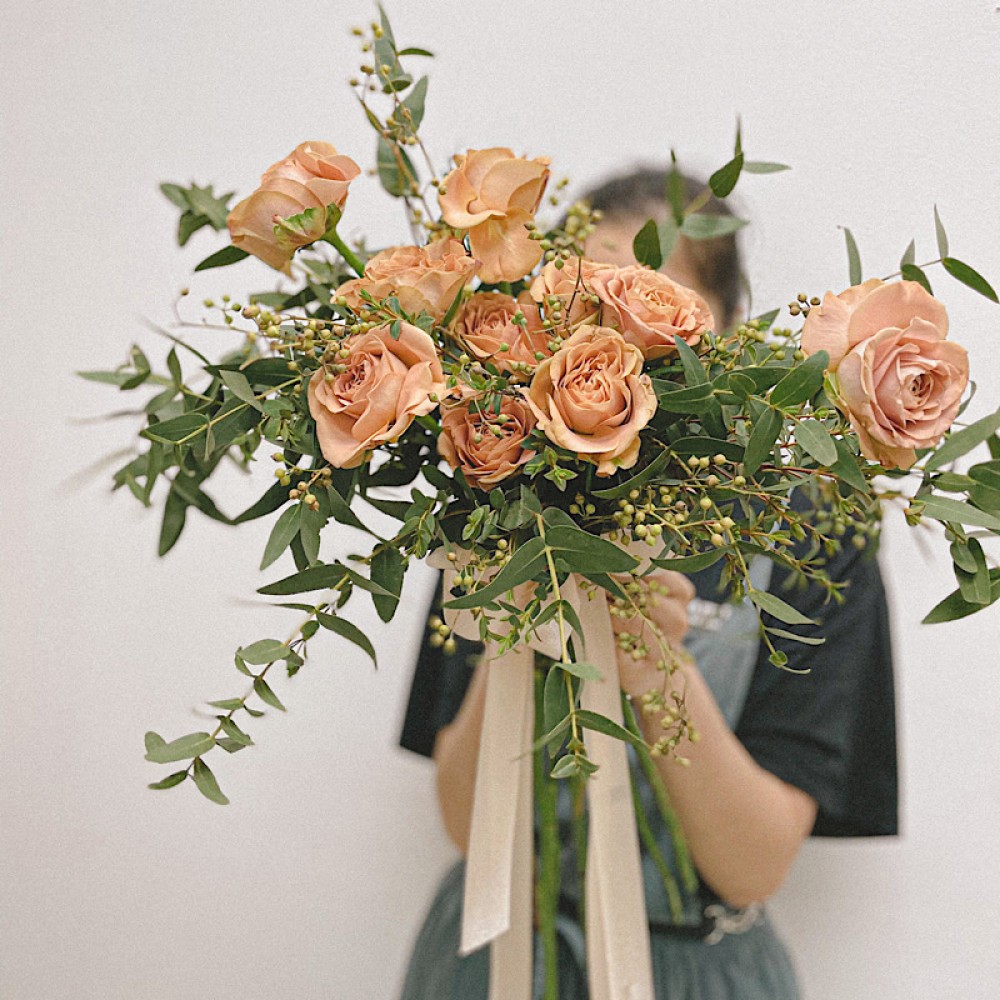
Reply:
x=573, y=344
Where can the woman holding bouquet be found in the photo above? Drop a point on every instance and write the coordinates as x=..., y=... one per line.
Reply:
x=782, y=754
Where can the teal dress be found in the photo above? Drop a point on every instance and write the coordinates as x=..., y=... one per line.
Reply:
x=714, y=953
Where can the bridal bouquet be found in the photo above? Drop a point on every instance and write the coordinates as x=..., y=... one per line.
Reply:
x=549, y=430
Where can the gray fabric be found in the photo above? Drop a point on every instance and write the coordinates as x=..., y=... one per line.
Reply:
x=750, y=966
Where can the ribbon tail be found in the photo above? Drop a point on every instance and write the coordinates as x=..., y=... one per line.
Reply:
x=497, y=907
x=618, y=954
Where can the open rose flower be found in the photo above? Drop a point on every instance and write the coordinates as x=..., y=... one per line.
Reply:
x=572, y=285
x=382, y=385
x=487, y=447
x=492, y=193
x=485, y=327
x=591, y=398
x=423, y=279
x=896, y=377
x=299, y=188
x=650, y=309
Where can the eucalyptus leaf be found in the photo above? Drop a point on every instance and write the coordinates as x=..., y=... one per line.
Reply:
x=263, y=691
x=179, y=429
x=174, y=516
x=816, y=440
x=239, y=386
x=234, y=732
x=969, y=277
x=284, y=530
x=585, y=671
x=764, y=167
x=703, y=226
x=690, y=564
x=222, y=258
x=807, y=640
x=765, y=432
x=264, y=651
x=314, y=578
x=958, y=443
x=911, y=272
x=802, y=382
x=955, y=606
x=348, y=630
x=555, y=699
x=527, y=561
x=646, y=246
x=778, y=608
x=604, y=725
x=942, y=236
x=387, y=569
x=853, y=258
x=170, y=781
x=725, y=178
x=183, y=748
x=414, y=102
x=948, y=509
x=207, y=785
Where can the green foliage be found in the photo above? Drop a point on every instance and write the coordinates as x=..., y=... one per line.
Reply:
x=199, y=206
x=854, y=275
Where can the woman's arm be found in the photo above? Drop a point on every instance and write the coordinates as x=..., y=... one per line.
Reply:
x=456, y=752
x=743, y=825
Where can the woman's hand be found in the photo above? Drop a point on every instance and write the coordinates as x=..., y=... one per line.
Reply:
x=642, y=643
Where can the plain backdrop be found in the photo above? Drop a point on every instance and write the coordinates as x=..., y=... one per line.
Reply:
x=313, y=882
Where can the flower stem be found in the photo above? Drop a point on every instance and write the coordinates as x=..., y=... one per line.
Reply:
x=353, y=260
x=547, y=886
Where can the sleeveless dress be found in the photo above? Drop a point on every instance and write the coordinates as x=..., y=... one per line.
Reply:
x=748, y=962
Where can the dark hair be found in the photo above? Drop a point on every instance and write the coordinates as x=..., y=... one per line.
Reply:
x=642, y=193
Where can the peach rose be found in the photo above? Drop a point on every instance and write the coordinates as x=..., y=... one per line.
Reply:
x=492, y=193
x=485, y=327
x=487, y=447
x=591, y=398
x=382, y=385
x=650, y=309
x=424, y=279
x=572, y=284
x=311, y=179
x=895, y=376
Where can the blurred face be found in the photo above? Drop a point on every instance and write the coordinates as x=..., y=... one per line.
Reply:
x=611, y=243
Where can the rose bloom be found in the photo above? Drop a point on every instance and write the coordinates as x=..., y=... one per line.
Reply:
x=897, y=379
x=486, y=449
x=650, y=309
x=572, y=284
x=591, y=398
x=485, y=327
x=313, y=176
x=424, y=279
x=384, y=384
x=492, y=193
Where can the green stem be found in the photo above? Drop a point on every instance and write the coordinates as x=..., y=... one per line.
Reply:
x=354, y=261
x=547, y=885
x=653, y=850
x=681, y=853
x=578, y=787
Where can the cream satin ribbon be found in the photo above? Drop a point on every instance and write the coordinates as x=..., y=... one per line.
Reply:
x=499, y=884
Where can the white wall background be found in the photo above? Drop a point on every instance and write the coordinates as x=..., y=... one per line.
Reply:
x=311, y=884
